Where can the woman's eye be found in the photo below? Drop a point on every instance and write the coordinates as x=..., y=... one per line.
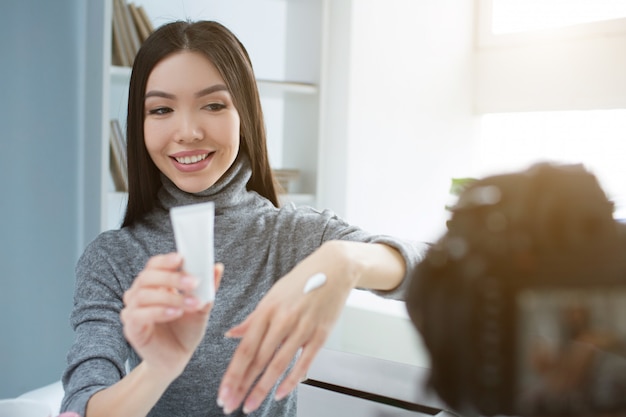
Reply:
x=159, y=110
x=215, y=106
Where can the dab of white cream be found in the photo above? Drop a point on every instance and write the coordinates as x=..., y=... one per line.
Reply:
x=314, y=282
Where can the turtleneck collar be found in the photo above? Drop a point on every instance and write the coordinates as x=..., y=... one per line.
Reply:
x=228, y=191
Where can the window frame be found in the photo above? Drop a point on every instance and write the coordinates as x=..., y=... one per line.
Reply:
x=601, y=86
x=485, y=38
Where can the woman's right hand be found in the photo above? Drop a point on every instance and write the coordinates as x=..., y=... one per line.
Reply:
x=162, y=319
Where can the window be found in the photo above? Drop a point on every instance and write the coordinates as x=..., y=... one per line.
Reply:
x=551, y=86
x=507, y=22
x=525, y=15
x=594, y=138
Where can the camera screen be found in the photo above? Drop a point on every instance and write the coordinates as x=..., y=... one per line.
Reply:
x=571, y=351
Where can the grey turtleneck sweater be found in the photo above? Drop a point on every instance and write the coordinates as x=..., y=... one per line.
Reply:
x=257, y=243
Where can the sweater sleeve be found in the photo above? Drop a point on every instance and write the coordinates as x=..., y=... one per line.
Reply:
x=412, y=252
x=335, y=228
x=97, y=357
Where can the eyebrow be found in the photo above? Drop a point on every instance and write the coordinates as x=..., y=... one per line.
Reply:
x=204, y=92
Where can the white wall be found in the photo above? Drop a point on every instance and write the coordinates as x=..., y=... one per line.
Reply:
x=397, y=125
x=581, y=67
x=406, y=123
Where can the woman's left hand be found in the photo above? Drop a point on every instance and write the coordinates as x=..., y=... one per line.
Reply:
x=285, y=321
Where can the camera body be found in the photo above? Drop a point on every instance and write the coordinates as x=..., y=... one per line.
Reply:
x=522, y=303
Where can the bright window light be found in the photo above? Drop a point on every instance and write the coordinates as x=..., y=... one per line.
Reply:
x=594, y=138
x=527, y=15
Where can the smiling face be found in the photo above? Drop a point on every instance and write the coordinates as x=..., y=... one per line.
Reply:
x=191, y=126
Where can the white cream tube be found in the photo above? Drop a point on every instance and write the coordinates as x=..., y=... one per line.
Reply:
x=193, y=232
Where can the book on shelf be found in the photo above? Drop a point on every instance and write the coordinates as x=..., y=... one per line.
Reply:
x=118, y=47
x=117, y=158
x=146, y=20
x=116, y=57
x=131, y=27
x=126, y=51
x=284, y=178
x=142, y=28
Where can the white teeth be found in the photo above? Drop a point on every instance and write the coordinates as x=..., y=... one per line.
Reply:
x=191, y=159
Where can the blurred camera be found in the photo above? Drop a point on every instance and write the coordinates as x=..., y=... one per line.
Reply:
x=522, y=303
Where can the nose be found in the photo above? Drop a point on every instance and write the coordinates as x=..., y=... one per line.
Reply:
x=189, y=128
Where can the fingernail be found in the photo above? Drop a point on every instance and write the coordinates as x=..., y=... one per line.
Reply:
x=190, y=301
x=280, y=394
x=221, y=395
x=251, y=405
x=173, y=311
x=189, y=281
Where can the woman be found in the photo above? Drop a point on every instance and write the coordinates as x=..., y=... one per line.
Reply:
x=144, y=344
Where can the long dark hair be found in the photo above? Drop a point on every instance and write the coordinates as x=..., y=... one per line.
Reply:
x=232, y=61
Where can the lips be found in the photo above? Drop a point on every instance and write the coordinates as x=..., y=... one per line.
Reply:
x=186, y=160
x=191, y=161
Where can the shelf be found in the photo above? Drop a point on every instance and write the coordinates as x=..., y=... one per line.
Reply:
x=299, y=199
x=122, y=75
x=279, y=87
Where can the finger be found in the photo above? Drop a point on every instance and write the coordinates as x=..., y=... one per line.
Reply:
x=160, y=296
x=239, y=330
x=165, y=278
x=300, y=369
x=139, y=323
x=266, y=362
x=276, y=368
x=172, y=261
x=149, y=315
x=277, y=332
x=218, y=272
x=231, y=392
